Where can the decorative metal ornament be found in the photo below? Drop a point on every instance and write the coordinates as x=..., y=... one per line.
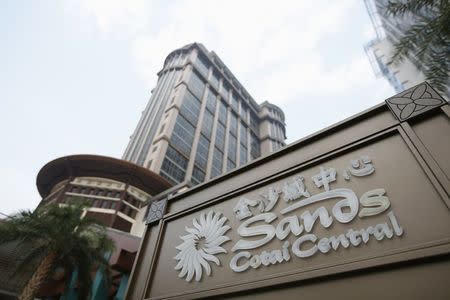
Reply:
x=201, y=244
x=414, y=101
x=156, y=210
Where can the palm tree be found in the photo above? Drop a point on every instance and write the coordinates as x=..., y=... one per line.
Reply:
x=427, y=39
x=64, y=239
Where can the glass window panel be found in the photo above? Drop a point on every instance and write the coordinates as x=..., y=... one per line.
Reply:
x=225, y=91
x=220, y=136
x=190, y=108
x=232, y=148
x=223, y=112
x=254, y=124
x=243, y=136
x=272, y=129
x=230, y=165
x=201, y=158
x=176, y=157
x=235, y=102
x=216, y=168
x=198, y=176
x=243, y=155
x=211, y=101
x=174, y=166
x=215, y=79
x=208, y=120
x=244, y=111
x=182, y=135
x=255, y=150
x=202, y=65
x=196, y=85
x=233, y=124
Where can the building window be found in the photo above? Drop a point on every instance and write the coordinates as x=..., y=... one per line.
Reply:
x=274, y=145
x=223, y=112
x=242, y=155
x=202, y=65
x=244, y=111
x=208, y=120
x=211, y=101
x=174, y=166
x=190, y=108
x=126, y=209
x=215, y=80
x=232, y=143
x=243, y=136
x=216, y=168
x=230, y=165
x=255, y=150
x=196, y=85
x=272, y=129
x=235, y=102
x=225, y=91
x=96, y=203
x=182, y=135
x=220, y=136
x=198, y=176
x=233, y=124
x=201, y=157
x=254, y=122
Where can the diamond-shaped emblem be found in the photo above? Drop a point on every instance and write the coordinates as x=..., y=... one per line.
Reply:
x=414, y=101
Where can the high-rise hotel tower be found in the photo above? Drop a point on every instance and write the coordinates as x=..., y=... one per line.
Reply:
x=201, y=122
x=389, y=30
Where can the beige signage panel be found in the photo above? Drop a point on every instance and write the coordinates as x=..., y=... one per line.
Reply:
x=416, y=201
x=379, y=227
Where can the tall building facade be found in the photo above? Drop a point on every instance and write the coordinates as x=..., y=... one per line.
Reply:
x=201, y=122
x=389, y=30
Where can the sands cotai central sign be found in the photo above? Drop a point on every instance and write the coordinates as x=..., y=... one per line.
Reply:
x=260, y=224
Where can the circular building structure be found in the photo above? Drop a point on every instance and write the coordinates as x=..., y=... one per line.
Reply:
x=115, y=190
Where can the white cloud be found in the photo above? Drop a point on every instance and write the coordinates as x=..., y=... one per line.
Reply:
x=111, y=15
x=276, y=50
x=251, y=37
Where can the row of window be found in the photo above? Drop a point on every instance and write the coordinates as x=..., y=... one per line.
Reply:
x=106, y=204
x=105, y=193
x=276, y=131
x=182, y=135
x=275, y=114
x=184, y=131
x=238, y=105
x=174, y=166
x=93, y=191
x=176, y=61
x=212, y=101
x=202, y=65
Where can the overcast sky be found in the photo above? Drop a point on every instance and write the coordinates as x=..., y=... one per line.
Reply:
x=75, y=75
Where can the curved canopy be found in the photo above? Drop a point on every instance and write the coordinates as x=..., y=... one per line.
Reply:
x=85, y=165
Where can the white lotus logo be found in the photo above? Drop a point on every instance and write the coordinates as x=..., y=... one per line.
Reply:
x=201, y=244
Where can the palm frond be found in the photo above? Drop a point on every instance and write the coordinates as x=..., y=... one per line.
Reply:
x=396, y=8
x=79, y=243
x=427, y=41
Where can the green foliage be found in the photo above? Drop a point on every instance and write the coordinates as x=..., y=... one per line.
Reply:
x=427, y=39
x=79, y=243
